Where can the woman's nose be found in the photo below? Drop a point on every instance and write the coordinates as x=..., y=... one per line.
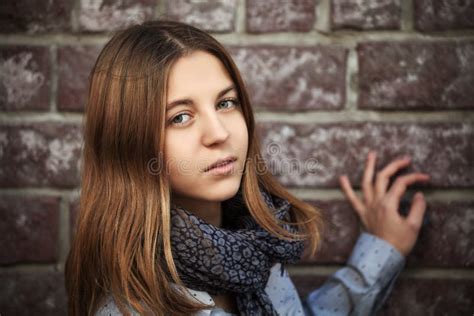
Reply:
x=214, y=129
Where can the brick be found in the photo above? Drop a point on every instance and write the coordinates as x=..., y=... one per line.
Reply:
x=310, y=155
x=365, y=14
x=32, y=293
x=73, y=212
x=445, y=240
x=280, y=16
x=40, y=154
x=430, y=297
x=448, y=238
x=29, y=227
x=33, y=17
x=340, y=232
x=24, y=78
x=75, y=64
x=211, y=16
x=293, y=78
x=411, y=296
x=306, y=283
x=416, y=75
x=94, y=15
x=440, y=15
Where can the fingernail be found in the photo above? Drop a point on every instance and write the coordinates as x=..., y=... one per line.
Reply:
x=419, y=195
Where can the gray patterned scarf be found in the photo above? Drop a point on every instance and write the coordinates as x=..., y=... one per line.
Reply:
x=235, y=258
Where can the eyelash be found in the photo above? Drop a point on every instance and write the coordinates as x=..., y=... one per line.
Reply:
x=234, y=100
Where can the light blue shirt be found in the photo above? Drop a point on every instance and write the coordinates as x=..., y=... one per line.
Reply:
x=359, y=288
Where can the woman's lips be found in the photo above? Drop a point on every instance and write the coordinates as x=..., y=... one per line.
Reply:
x=220, y=162
x=223, y=169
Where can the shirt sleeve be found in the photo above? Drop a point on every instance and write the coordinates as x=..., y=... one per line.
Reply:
x=362, y=286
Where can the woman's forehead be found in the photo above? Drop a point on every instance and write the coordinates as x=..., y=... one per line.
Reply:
x=196, y=73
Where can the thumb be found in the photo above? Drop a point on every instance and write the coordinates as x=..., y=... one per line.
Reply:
x=417, y=211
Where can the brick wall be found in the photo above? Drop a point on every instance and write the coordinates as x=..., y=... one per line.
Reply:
x=329, y=81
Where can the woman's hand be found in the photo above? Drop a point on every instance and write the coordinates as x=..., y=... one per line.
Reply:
x=379, y=210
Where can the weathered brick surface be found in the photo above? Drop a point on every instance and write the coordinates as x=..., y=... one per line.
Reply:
x=310, y=155
x=29, y=227
x=40, y=154
x=340, y=232
x=280, y=16
x=97, y=15
x=24, y=78
x=32, y=16
x=430, y=297
x=293, y=78
x=438, y=15
x=306, y=283
x=412, y=296
x=32, y=293
x=73, y=211
x=447, y=240
x=366, y=14
x=213, y=16
x=416, y=75
x=75, y=64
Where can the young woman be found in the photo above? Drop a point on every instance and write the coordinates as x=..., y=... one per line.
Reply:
x=178, y=212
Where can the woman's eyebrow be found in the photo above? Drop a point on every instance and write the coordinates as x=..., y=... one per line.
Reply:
x=188, y=101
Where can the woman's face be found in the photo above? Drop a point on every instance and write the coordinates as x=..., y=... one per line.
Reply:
x=207, y=127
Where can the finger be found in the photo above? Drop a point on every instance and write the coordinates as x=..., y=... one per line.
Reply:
x=350, y=194
x=383, y=176
x=367, y=186
x=400, y=185
x=417, y=211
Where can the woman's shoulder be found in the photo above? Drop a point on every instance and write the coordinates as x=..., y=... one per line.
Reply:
x=109, y=308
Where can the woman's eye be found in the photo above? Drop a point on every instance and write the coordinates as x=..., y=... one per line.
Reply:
x=176, y=121
x=227, y=104
x=229, y=101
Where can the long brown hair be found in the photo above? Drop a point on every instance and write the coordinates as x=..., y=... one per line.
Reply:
x=122, y=245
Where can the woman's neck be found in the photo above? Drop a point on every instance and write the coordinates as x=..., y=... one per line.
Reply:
x=209, y=211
